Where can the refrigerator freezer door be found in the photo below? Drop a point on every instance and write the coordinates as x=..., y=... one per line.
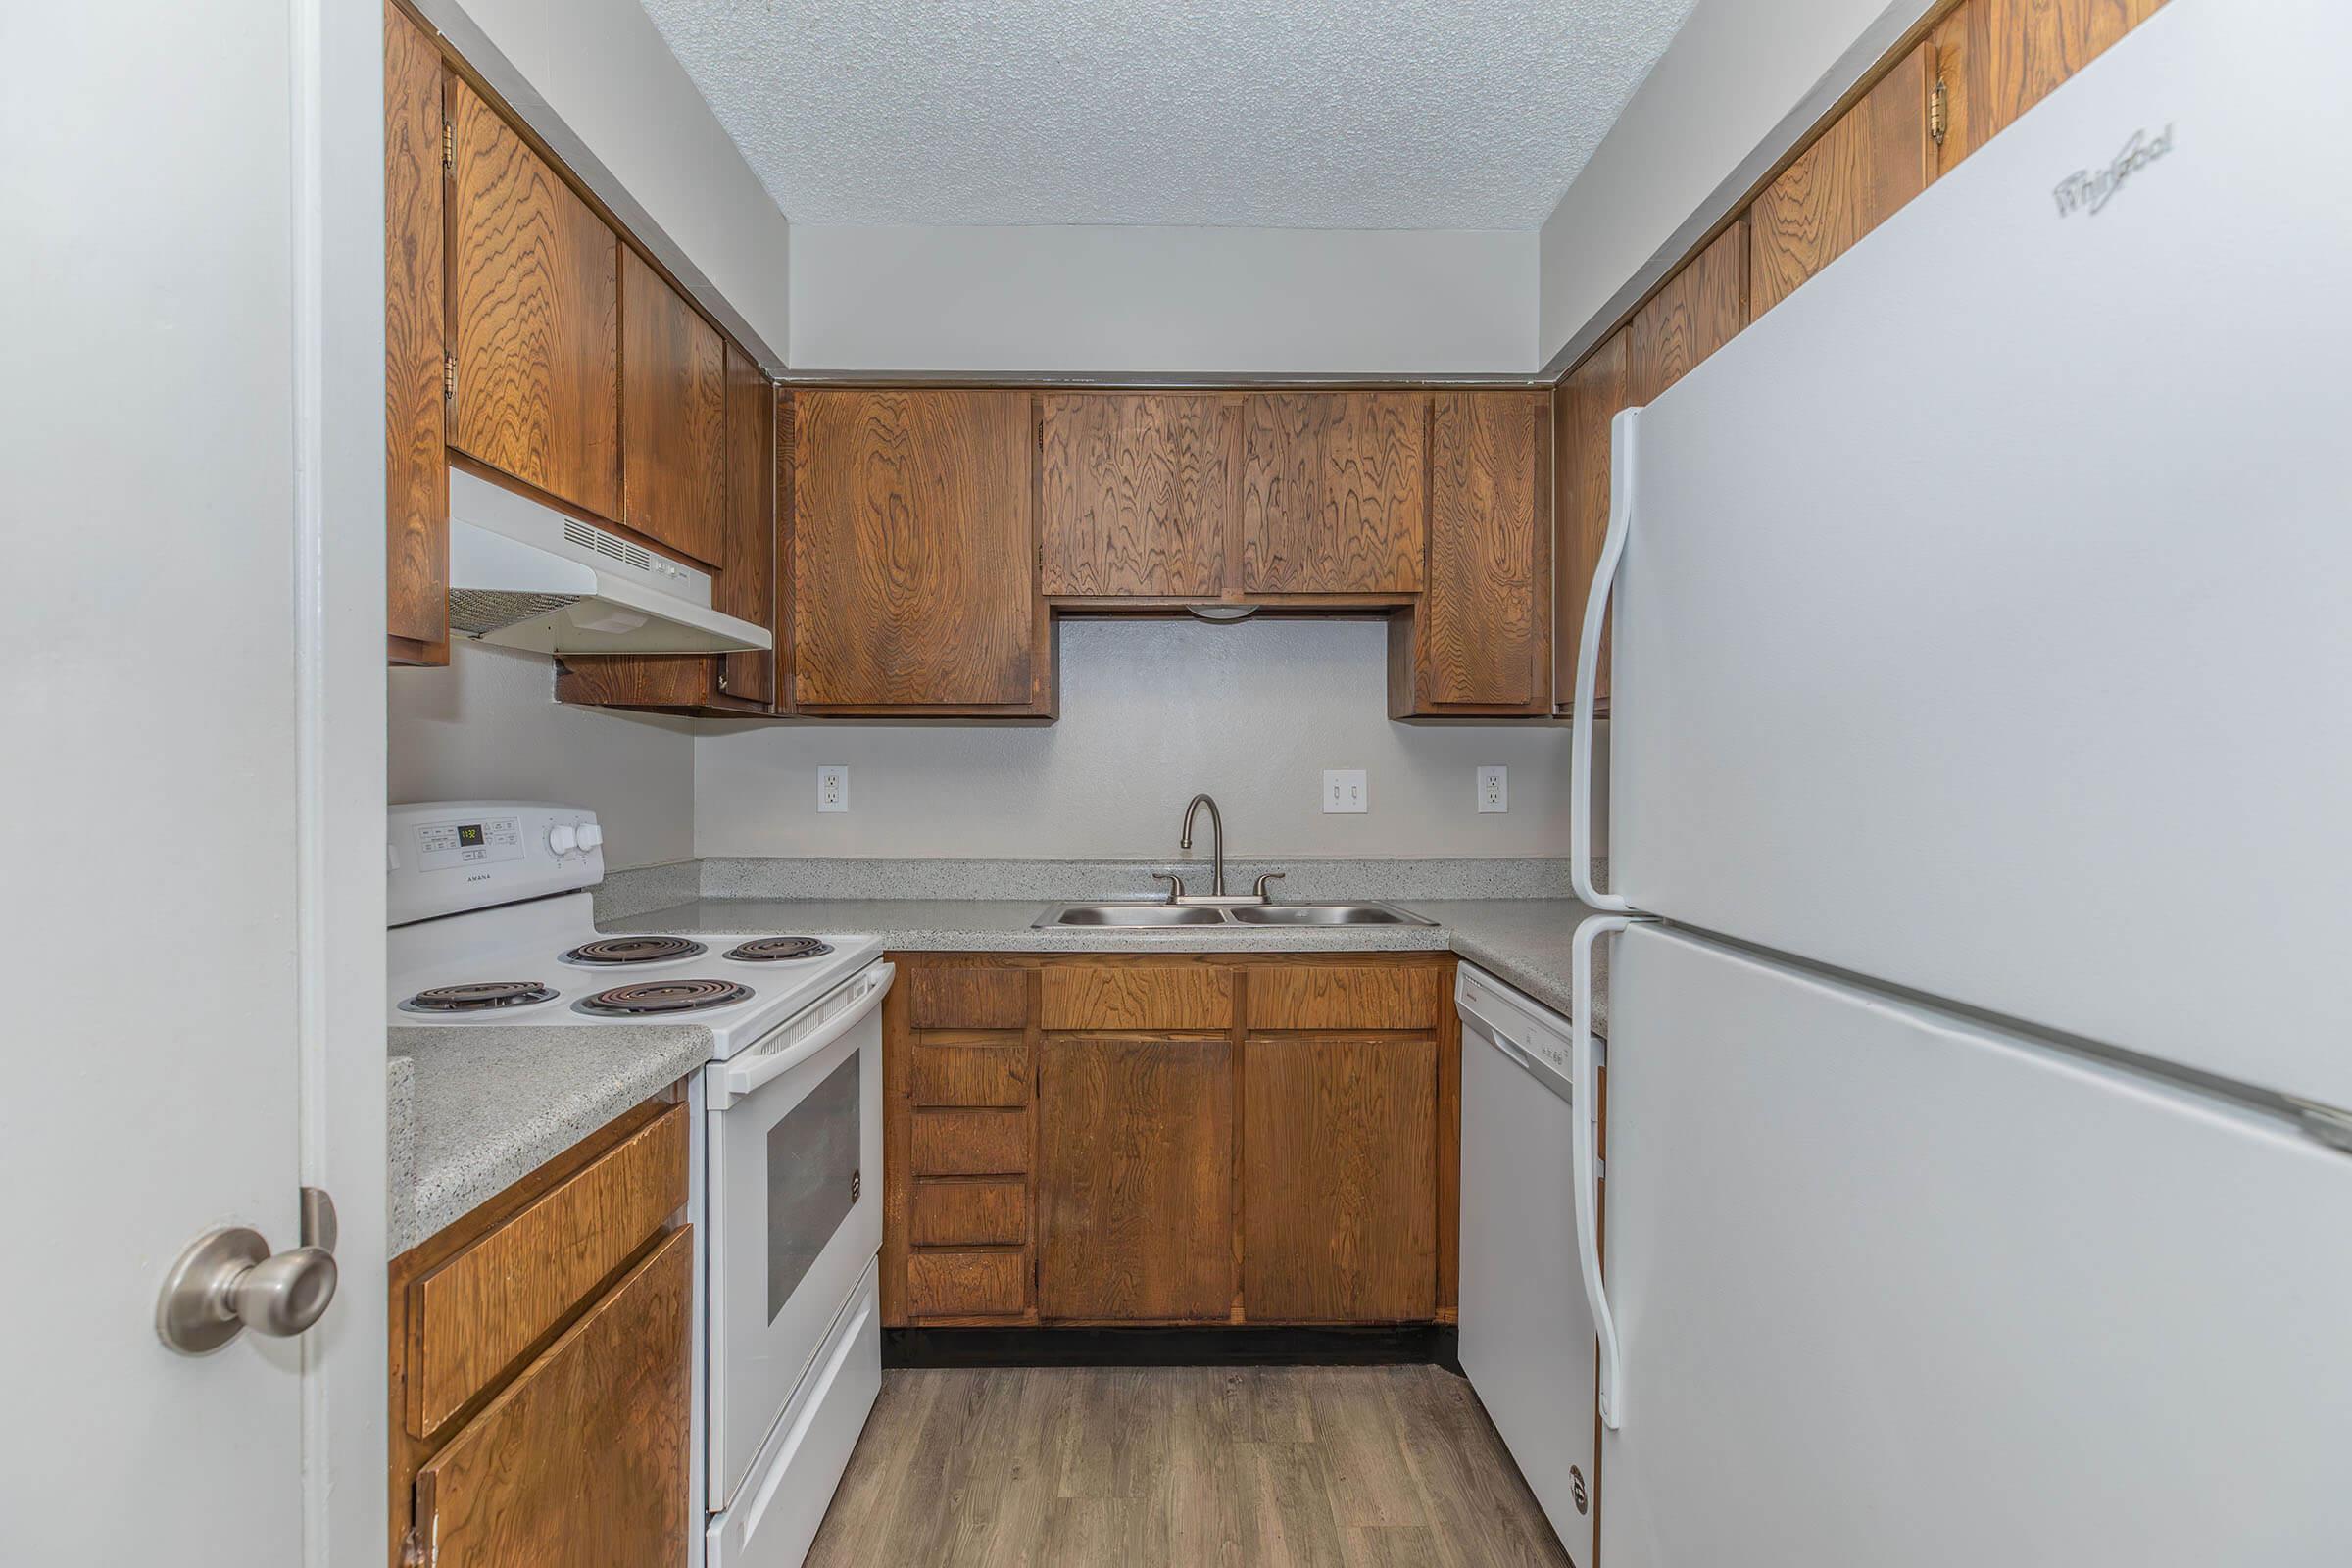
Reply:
x=1982, y=627
x=1897, y=1290
x=1526, y=1337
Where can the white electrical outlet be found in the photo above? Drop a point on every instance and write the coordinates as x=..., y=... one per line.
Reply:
x=1493, y=789
x=832, y=789
x=1343, y=790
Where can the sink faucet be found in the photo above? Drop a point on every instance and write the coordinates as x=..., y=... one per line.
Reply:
x=1216, y=826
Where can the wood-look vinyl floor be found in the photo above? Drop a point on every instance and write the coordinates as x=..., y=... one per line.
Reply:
x=1267, y=1467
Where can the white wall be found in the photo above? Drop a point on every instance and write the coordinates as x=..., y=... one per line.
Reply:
x=1163, y=300
x=1151, y=711
x=489, y=728
x=595, y=79
x=1738, y=87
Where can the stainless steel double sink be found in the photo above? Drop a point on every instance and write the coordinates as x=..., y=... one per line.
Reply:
x=1192, y=917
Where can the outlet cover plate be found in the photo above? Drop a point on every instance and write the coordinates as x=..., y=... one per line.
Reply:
x=832, y=789
x=1493, y=789
x=1344, y=790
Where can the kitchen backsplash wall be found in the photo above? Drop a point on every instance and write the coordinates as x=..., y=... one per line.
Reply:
x=489, y=728
x=1151, y=711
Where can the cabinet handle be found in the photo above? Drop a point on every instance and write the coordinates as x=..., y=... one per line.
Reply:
x=1588, y=654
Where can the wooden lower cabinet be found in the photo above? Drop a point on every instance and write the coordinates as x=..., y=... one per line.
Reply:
x=1135, y=1179
x=1169, y=1139
x=1340, y=1179
x=541, y=1366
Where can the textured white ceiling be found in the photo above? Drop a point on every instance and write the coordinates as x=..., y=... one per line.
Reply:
x=1347, y=114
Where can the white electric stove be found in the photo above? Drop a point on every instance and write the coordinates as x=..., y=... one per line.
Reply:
x=492, y=925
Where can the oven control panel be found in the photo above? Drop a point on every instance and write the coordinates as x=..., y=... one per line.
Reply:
x=443, y=856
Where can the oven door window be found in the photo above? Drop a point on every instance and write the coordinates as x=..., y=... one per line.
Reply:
x=813, y=1179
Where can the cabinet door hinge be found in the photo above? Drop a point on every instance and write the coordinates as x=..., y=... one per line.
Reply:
x=412, y=1550
x=448, y=379
x=449, y=145
x=1939, y=109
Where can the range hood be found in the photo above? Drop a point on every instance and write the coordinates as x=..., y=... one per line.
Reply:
x=527, y=576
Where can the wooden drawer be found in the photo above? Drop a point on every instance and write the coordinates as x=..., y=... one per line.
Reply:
x=472, y=1317
x=1345, y=997
x=970, y=1214
x=971, y=1143
x=967, y=1284
x=583, y=1458
x=971, y=1072
x=1136, y=996
x=952, y=997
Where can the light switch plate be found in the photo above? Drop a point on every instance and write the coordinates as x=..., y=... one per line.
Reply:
x=1344, y=790
x=832, y=789
x=1493, y=789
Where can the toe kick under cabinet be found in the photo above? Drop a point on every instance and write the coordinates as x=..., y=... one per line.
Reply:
x=1140, y=1139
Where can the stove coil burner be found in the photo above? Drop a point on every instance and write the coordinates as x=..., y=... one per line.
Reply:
x=776, y=950
x=480, y=997
x=615, y=951
x=664, y=996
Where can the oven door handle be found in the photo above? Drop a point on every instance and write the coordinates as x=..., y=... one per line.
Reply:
x=746, y=1074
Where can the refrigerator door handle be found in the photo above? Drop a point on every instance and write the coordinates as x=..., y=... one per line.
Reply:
x=1585, y=1156
x=1587, y=660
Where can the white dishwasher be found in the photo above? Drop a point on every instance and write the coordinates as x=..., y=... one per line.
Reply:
x=1526, y=1338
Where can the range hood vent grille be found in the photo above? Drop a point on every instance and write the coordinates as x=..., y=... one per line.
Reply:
x=588, y=537
x=480, y=612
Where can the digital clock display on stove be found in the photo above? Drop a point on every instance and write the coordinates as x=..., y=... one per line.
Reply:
x=469, y=834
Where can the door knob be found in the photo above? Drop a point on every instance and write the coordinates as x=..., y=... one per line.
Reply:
x=228, y=1280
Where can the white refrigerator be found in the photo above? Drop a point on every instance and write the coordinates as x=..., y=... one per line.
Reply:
x=1979, y=1133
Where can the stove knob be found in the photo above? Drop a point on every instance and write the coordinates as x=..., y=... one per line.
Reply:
x=591, y=835
x=562, y=839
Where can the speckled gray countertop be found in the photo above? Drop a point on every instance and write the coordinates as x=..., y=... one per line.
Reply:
x=489, y=1104
x=476, y=1109
x=1521, y=941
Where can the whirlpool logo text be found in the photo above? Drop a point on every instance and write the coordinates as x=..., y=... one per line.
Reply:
x=2089, y=190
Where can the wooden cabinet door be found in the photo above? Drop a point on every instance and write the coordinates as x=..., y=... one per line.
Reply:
x=2000, y=58
x=1340, y=1177
x=1854, y=177
x=913, y=564
x=674, y=426
x=748, y=586
x=1582, y=408
x=1134, y=494
x=535, y=316
x=416, y=461
x=1700, y=309
x=1135, y=1179
x=1332, y=492
x=1480, y=639
x=583, y=1458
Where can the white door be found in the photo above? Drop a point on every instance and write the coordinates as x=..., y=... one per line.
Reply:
x=1982, y=626
x=1894, y=1289
x=191, y=427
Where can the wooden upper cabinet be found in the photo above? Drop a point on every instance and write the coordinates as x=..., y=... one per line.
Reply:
x=415, y=464
x=1858, y=174
x=1333, y=493
x=1582, y=408
x=674, y=428
x=1479, y=640
x=914, y=566
x=748, y=586
x=1700, y=309
x=2000, y=58
x=534, y=278
x=1134, y=494
x=1135, y=1179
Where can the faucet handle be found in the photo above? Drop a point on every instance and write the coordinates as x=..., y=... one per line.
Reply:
x=1175, y=884
x=1263, y=879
